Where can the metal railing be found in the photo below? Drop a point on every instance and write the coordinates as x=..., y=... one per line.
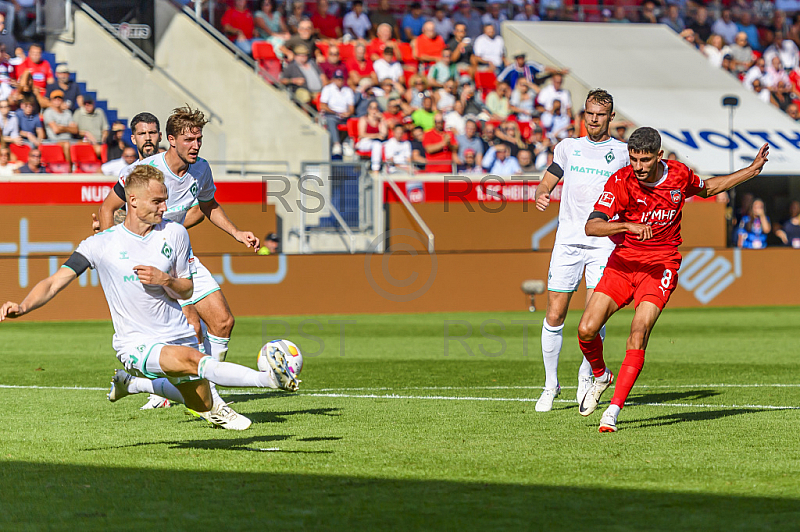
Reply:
x=241, y=167
x=412, y=211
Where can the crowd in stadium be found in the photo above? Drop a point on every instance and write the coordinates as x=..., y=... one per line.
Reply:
x=434, y=88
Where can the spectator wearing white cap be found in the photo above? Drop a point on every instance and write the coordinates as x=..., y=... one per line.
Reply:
x=72, y=93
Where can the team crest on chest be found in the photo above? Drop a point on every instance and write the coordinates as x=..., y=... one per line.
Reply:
x=193, y=189
x=675, y=195
x=166, y=250
x=609, y=157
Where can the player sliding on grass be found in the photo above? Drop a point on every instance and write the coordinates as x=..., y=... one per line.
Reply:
x=640, y=209
x=585, y=165
x=189, y=181
x=145, y=264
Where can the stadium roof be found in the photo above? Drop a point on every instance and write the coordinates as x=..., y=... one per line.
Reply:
x=658, y=80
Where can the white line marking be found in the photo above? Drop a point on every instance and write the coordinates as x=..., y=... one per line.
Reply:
x=530, y=400
x=651, y=386
x=55, y=388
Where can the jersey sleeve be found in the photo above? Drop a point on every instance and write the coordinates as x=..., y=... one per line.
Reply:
x=611, y=201
x=207, y=186
x=88, y=250
x=184, y=265
x=560, y=155
x=694, y=184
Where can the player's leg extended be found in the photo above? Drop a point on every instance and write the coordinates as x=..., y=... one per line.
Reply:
x=598, y=310
x=552, y=340
x=644, y=320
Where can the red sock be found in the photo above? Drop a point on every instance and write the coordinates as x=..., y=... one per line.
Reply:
x=593, y=351
x=628, y=373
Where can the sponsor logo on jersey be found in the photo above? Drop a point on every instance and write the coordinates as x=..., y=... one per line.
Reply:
x=130, y=278
x=123, y=255
x=606, y=199
x=166, y=251
x=576, y=153
x=659, y=216
x=589, y=170
x=675, y=195
x=609, y=157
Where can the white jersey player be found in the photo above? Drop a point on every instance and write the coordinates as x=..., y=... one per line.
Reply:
x=585, y=164
x=190, y=184
x=144, y=264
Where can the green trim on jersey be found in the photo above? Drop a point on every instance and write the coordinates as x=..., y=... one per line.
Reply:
x=145, y=237
x=67, y=267
x=593, y=143
x=164, y=158
x=144, y=364
x=562, y=291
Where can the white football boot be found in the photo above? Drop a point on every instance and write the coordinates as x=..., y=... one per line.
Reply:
x=285, y=378
x=591, y=398
x=119, y=385
x=156, y=401
x=584, y=383
x=545, y=402
x=221, y=415
x=608, y=423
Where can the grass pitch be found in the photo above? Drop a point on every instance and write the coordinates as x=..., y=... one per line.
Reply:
x=414, y=422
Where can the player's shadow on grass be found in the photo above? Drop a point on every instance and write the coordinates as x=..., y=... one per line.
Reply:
x=683, y=417
x=281, y=417
x=666, y=397
x=253, y=443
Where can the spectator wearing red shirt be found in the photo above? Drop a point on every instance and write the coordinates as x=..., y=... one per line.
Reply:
x=427, y=48
x=332, y=64
x=238, y=24
x=440, y=146
x=40, y=70
x=394, y=113
x=329, y=27
x=381, y=41
x=360, y=67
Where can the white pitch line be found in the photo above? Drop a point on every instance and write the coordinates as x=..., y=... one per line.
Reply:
x=530, y=400
x=54, y=387
x=652, y=386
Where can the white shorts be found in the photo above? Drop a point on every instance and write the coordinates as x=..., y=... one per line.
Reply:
x=567, y=265
x=144, y=360
x=204, y=284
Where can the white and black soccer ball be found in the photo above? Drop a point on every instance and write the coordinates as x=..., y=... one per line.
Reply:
x=291, y=353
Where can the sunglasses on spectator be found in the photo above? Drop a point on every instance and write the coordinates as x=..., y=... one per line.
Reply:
x=333, y=53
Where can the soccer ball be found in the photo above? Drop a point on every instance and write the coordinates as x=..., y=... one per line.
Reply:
x=291, y=353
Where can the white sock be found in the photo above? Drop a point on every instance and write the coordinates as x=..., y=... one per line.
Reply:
x=229, y=374
x=552, y=338
x=602, y=333
x=140, y=385
x=164, y=388
x=219, y=347
x=614, y=409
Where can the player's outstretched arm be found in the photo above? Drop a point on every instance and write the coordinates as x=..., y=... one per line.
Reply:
x=216, y=214
x=110, y=205
x=719, y=184
x=598, y=225
x=175, y=286
x=544, y=188
x=42, y=293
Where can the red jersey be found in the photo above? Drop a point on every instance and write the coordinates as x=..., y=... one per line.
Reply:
x=659, y=205
x=362, y=71
x=241, y=20
x=40, y=72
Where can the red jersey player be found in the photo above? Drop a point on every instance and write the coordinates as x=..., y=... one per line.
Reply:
x=640, y=209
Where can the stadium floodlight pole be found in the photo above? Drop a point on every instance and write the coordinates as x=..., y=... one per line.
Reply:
x=731, y=102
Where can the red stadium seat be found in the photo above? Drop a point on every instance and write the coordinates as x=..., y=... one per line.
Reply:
x=323, y=48
x=264, y=53
x=20, y=152
x=52, y=153
x=352, y=132
x=84, y=158
x=87, y=168
x=59, y=168
x=315, y=100
x=104, y=153
x=485, y=81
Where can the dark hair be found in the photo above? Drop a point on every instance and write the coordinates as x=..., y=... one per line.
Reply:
x=602, y=97
x=145, y=118
x=644, y=140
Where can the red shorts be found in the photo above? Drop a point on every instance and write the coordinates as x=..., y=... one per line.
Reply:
x=648, y=277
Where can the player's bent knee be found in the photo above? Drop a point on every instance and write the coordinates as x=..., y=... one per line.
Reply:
x=587, y=331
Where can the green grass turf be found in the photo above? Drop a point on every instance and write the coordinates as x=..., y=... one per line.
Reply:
x=71, y=460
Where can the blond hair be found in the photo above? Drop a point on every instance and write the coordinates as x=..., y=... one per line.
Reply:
x=185, y=119
x=140, y=178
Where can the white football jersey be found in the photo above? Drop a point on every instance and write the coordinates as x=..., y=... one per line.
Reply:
x=139, y=311
x=197, y=184
x=587, y=166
